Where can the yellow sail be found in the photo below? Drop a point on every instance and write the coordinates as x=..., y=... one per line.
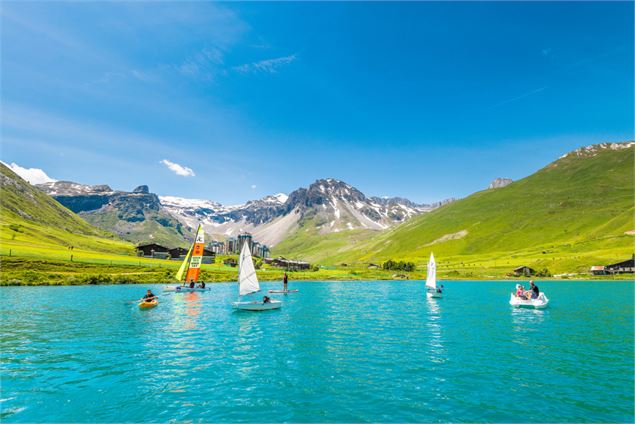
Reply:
x=179, y=274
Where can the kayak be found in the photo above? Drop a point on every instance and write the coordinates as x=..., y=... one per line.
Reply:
x=148, y=305
x=283, y=291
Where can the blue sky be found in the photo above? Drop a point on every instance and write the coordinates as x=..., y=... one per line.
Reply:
x=420, y=100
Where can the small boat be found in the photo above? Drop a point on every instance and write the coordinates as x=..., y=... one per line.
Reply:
x=185, y=289
x=539, y=303
x=191, y=263
x=147, y=305
x=248, y=284
x=431, y=280
x=283, y=291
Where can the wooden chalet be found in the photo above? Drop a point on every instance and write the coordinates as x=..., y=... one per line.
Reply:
x=524, y=271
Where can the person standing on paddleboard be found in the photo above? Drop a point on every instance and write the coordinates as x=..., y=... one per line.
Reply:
x=285, y=281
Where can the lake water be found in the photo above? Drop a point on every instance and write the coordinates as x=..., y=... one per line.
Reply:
x=336, y=351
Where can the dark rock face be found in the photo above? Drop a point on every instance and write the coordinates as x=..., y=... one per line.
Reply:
x=97, y=203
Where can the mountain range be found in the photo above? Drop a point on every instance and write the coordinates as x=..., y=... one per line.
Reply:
x=140, y=216
x=576, y=211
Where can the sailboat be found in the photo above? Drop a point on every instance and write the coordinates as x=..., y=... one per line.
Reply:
x=431, y=279
x=248, y=284
x=191, y=263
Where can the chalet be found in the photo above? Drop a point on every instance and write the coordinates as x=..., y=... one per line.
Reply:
x=177, y=253
x=153, y=250
x=287, y=264
x=598, y=270
x=625, y=267
x=524, y=271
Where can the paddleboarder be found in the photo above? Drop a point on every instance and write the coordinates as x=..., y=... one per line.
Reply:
x=285, y=281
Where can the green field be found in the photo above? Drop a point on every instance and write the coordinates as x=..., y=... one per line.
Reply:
x=570, y=215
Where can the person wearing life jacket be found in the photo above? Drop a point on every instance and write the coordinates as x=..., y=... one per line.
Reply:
x=149, y=297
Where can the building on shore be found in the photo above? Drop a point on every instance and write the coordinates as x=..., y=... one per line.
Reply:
x=217, y=247
x=287, y=264
x=233, y=246
x=624, y=267
x=524, y=271
x=156, y=251
x=153, y=250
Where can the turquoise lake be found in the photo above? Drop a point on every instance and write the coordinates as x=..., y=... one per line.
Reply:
x=335, y=352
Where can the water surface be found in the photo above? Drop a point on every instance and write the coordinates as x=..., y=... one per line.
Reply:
x=336, y=351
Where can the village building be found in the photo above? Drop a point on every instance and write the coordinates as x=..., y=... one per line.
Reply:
x=598, y=270
x=231, y=245
x=217, y=247
x=624, y=267
x=524, y=271
x=287, y=264
x=242, y=239
x=230, y=262
x=153, y=250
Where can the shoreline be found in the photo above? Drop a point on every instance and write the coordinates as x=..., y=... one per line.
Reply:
x=26, y=271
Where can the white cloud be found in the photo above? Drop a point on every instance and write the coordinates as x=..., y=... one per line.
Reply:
x=253, y=186
x=268, y=65
x=183, y=171
x=32, y=175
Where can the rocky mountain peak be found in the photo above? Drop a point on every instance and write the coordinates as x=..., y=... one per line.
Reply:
x=143, y=189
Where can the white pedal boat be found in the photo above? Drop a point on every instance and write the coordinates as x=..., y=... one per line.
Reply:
x=185, y=289
x=539, y=303
x=258, y=306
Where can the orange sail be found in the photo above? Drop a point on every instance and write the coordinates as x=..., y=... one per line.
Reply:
x=194, y=268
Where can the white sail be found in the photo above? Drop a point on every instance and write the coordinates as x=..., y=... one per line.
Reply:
x=247, y=279
x=431, y=279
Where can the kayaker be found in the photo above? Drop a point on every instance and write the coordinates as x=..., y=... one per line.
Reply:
x=285, y=281
x=149, y=297
x=535, y=291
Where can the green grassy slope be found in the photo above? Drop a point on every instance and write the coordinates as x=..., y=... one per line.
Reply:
x=30, y=219
x=570, y=214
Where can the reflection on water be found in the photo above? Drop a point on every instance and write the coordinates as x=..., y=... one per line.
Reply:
x=433, y=325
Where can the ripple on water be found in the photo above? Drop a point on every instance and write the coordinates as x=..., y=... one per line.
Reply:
x=336, y=352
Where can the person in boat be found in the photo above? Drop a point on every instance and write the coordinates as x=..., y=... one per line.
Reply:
x=266, y=299
x=520, y=292
x=149, y=297
x=535, y=291
x=192, y=284
x=440, y=289
x=202, y=284
x=285, y=281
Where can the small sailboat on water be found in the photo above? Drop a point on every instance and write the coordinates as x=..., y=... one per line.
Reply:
x=431, y=280
x=248, y=284
x=191, y=263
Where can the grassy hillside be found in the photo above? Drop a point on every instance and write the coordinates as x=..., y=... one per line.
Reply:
x=31, y=220
x=573, y=213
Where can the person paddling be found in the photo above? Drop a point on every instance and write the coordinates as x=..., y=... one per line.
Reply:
x=285, y=281
x=149, y=297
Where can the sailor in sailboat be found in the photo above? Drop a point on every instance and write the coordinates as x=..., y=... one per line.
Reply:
x=431, y=280
x=191, y=266
x=248, y=284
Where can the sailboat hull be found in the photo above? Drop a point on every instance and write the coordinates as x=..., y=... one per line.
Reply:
x=179, y=289
x=258, y=306
x=433, y=293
